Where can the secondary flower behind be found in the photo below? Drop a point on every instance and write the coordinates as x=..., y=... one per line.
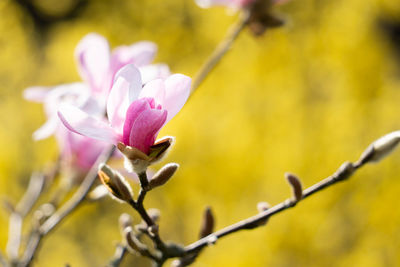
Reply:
x=135, y=113
x=97, y=64
x=78, y=152
x=230, y=3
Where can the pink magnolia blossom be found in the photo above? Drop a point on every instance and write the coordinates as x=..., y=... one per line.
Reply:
x=135, y=113
x=236, y=4
x=77, y=151
x=97, y=65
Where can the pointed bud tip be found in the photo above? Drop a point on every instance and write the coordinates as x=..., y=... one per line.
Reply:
x=295, y=183
x=163, y=175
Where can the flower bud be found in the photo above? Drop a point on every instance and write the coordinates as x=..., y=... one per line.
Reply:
x=163, y=175
x=263, y=206
x=137, y=161
x=133, y=242
x=115, y=183
x=154, y=214
x=98, y=193
x=208, y=223
x=295, y=183
x=153, y=230
x=125, y=221
x=380, y=148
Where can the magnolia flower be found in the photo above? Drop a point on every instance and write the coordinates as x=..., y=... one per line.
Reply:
x=135, y=113
x=235, y=4
x=77, y=94
x=78, y=151
x=97, y=65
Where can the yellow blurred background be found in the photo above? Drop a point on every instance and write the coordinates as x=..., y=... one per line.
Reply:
x=302, y=98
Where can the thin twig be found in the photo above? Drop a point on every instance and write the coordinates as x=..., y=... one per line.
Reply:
x=35, y=188
x=221, y=50
x=344, y=172
x=65, y=210
x=119, y=255
x=3, y=261
x=139, y=207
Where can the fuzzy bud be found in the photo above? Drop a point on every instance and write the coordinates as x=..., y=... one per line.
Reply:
x=263, y=206
x=153, y=230
x=295, y=183
x=137, y=161
x=208, y=223
x=133, y=242
x=163, y=175
x=125, y=221
x=115, y=183
x=154, y=214
x=98, y=193
x=380, y=148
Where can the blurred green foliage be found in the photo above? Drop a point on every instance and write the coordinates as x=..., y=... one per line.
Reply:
x=302, y=98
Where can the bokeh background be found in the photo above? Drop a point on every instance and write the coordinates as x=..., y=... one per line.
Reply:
x=302, y=98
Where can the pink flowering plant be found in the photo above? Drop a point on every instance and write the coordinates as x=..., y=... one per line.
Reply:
x=98, y=65
x=136, y=112
x=123, y=101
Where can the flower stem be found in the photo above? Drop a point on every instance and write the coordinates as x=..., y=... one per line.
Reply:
x=37, y=234
x=220, y=50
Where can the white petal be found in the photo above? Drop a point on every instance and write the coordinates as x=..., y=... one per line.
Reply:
x=36, y=93
x=47, y=129
x=126, y=89
x=82, y=123
x=177, y=89
x=93, y=58
x=154, y=71
x=154, y=89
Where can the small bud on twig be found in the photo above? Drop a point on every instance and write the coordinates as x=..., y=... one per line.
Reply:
x=133, y=243
x=47, y=209
x=125, y=221
x=115, y=183
x=212, y=239
x=263, y=206
x=163, y=175
x=207, y=226
x=97, y=193
x=137, y=161
x=295, y=183
x=153, y=230
x=154, y=214
x=380, y=148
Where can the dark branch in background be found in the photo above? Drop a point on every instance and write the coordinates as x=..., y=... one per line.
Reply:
x=43, y=21
x=391, y=28
x=39, y=232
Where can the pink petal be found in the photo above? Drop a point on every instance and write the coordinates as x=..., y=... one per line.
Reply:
x=146, y=127
x=93, y=57
x=229, y=3
x=47, y=129
x=82, y=123
x=134, y=110
x=154, y=71
x=140, y=53
x=177, y=89
x=154, y=89
x=126, y=88
x=36, y=93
